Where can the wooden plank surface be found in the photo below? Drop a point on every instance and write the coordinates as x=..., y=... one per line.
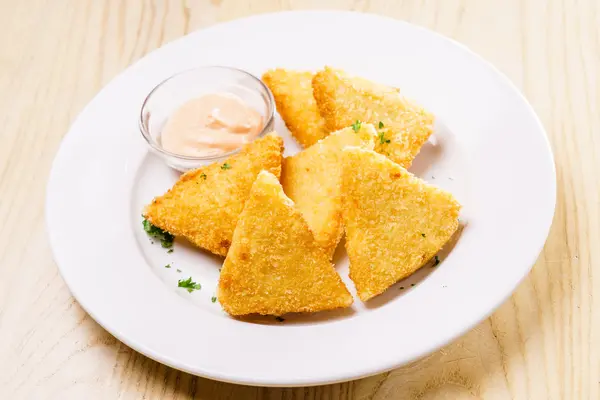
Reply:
x=543, y=343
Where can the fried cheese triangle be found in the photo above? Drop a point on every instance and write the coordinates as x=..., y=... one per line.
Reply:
x=312, y=179
x=403, y=126
x=394, y=221
x=295, y=103
x=204, y=204
x=274, y=265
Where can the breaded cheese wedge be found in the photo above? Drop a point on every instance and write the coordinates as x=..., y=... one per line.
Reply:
x=394, y=221
x=312, y=179
x=204, y=204
x=403, y=126
x=295, y=103
x=274, y=265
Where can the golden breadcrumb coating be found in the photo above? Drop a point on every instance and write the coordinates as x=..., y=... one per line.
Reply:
x=204, y=204
x=394, y=221
x=342, y=100
x=274, y=265
x=293, y=95
x=312, y=179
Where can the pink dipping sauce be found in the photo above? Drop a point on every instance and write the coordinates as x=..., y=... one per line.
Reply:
x=211, y=125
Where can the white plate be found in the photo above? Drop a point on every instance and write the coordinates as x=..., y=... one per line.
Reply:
x=489, y=149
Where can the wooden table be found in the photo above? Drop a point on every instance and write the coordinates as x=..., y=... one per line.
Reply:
x=543, y=343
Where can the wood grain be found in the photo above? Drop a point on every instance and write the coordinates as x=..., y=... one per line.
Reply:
x=543, y=343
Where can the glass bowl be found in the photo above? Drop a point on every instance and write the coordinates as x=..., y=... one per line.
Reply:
x=176, y=90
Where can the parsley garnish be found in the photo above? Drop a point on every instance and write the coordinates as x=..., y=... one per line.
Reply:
x=166, y=239
x=382, y=138
x=203, y=176
x=279, y=319
x=422, y=234
x=188, y=284
x=225, y=166
x=168, y=266
x=380, y=124
x=356, y=126
x=436, y=261
x=178, y=270
x=213, y=299
x=170, y=251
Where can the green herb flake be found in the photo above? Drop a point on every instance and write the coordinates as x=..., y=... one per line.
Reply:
x=356, y=126
x=422, y=234
x=178, y=270
x=380, y=124
x=203, y=176
x=436, y=261
x=189, y=284
x=166, y=239
x=170, y=251
x=213, y=299
x=225, y=166
x=382, y=139
x=279, y=319
x=168, y=266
